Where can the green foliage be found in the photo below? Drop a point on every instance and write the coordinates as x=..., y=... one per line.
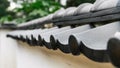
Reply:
x=29, y=11
x=33, y=9
x=5, y=18
x=3, y=5
x=39, y=8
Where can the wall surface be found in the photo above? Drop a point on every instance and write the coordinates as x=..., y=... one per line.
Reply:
x=16, y=54
x=7, y=51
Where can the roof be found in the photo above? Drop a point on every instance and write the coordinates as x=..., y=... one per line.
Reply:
x=95, y=42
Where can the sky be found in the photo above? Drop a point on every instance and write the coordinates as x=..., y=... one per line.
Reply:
x=63, y=2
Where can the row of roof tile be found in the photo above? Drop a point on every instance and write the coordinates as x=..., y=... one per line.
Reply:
x=95, y=43
x=73, y=11
x=92, y=42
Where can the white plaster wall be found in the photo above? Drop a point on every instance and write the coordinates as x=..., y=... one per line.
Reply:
x=15, y=54
x=7, y=51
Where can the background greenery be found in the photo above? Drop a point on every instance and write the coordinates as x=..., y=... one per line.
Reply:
x=32, y=9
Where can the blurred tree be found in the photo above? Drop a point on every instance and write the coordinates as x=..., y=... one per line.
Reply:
x=4, y=14
x=3, y=5
x=35, y=9
x=78, y=2
x=32, y=9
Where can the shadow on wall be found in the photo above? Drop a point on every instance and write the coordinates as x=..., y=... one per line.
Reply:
x=21, y=55
x=41, y=57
